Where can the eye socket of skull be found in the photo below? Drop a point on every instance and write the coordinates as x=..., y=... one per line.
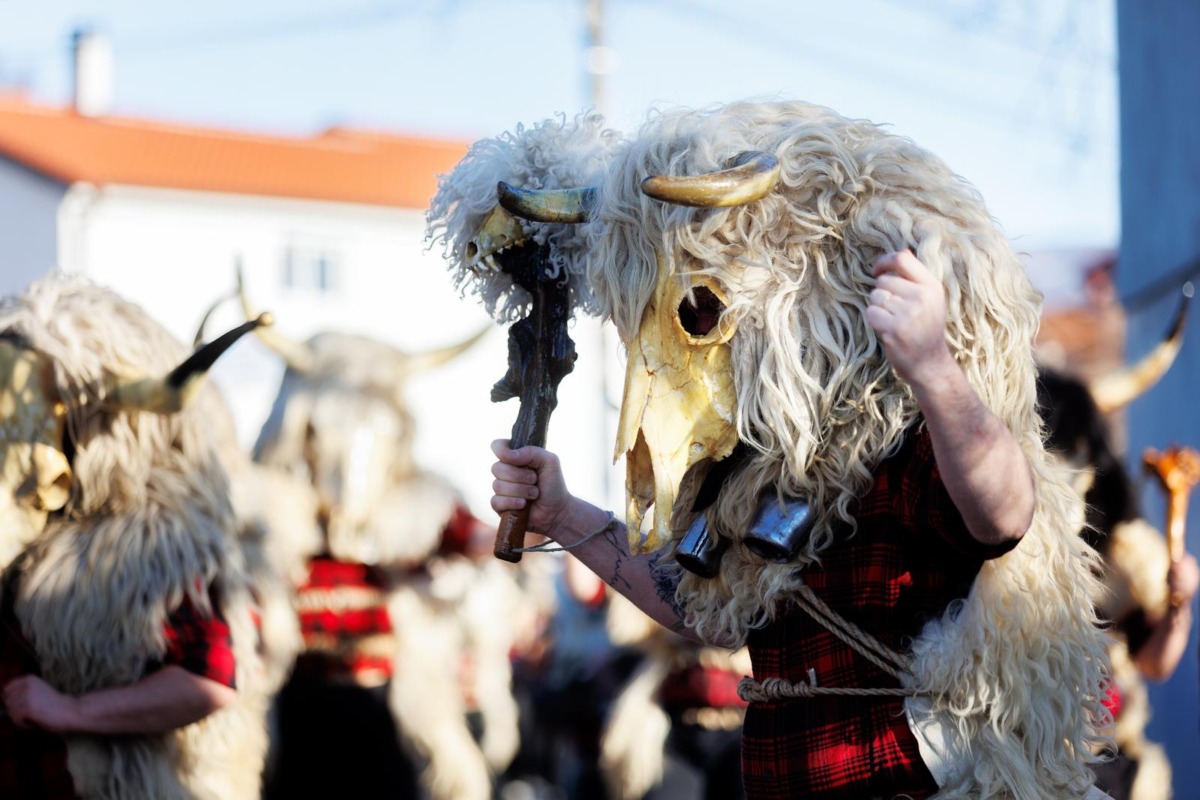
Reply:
x=679, y=404
x=700, y=313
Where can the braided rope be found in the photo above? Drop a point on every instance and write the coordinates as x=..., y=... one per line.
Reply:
x=897, y=665
x=764, y=691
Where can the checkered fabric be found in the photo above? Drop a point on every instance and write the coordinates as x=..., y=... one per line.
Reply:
x=33, y=762
x=345, y=622
x=201, y=643
x=909, y=559
x=697, y=686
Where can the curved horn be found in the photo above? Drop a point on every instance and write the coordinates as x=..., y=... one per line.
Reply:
x=1118, y=389
x=547, y=205
x=297, y=355
x=173, y=393
x=198, y=339
x=750, y=177
x=422, y=362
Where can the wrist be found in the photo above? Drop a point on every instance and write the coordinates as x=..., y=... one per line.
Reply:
x=935, y=374
x=71, y=717
x=574, y=519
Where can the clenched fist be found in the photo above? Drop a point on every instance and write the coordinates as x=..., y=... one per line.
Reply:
x=908, y=310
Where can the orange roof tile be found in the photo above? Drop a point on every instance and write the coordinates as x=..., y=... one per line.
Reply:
x=341, y=165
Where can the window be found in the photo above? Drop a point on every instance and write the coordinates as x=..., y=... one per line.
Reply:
x=313, y=269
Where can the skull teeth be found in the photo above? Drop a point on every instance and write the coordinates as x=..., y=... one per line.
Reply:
x=488, y=262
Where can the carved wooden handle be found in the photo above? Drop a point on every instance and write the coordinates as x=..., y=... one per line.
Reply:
x=511, y=535
x=540, y=353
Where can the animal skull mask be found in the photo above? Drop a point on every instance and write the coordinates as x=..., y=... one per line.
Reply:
x=679, y=401
x=35, y=476
x=35, y=472
x=679, y=406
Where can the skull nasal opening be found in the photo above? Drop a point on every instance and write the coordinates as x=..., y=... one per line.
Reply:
x=700, y=313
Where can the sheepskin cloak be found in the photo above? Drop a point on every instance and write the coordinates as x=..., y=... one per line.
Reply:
x=92, y=599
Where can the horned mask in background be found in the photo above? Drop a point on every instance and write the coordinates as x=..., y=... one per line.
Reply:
x=33, y=468
x=116, y=506
x=35, y=445
x=1114, y=391
x=1136, y=556
x=1075, y=411
x=512, y=216
x=342, y=419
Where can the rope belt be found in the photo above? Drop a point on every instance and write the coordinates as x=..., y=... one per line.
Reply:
x=898, y=665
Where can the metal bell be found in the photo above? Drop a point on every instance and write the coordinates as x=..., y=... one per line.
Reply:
x=778, y=531
x=700, y=551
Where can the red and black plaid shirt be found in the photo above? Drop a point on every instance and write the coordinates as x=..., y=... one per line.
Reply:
x=910, y=558
x=698, y=686
x=33, y=762
x=345, y=622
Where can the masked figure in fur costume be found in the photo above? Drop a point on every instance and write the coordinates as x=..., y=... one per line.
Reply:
x=389, y=606
x=674, y=729
x=129, y=654
x=831, y=380
x=1150, y=633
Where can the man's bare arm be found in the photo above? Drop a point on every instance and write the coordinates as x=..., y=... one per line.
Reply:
x=165, y=700
x=638, y=577
x=1158, y=658
x=533, y=475
x=981, y=464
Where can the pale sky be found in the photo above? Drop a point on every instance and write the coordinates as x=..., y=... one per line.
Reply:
x=1019, y=97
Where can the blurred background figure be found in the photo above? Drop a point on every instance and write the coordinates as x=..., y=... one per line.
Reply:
x=566, y=679
x=128, y=651
x=674, y=729
x=405, y=633
x=1149, y=594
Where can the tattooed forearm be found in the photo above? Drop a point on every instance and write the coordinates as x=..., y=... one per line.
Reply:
x=619, y=542
x=649, y=581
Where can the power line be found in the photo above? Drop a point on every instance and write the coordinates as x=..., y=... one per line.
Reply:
x=850, y=62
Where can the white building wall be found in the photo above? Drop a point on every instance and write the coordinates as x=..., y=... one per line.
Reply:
x=174, y=253
x=29, y=205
